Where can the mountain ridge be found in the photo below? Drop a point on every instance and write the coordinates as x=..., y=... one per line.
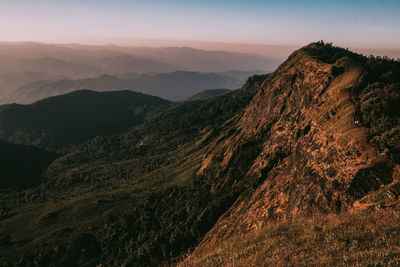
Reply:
x=57, y=121
x=206, y=94
x=318, y=138
x=311, y=155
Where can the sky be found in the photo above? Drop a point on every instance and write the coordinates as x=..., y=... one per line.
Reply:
x=366, y=23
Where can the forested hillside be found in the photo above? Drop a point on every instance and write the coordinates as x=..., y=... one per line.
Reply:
x=61, y=121
x=22, y=166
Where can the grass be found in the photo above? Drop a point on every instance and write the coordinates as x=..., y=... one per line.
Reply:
x=366, y=238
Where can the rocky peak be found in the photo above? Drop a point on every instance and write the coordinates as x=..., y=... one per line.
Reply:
x=299, y=146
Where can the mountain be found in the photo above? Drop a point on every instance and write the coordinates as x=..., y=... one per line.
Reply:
x=184, y=58
x=320, y=137
x=116, y=186
x=302, y=163
x=55, y=62
x=54, y=66
x=208, y=61
x=173, y=86
x=75, y=117
x=206, y=94
x=76, y=62
x=242, y=75
x=131, y=63
x=10, y=81
x=22, y=166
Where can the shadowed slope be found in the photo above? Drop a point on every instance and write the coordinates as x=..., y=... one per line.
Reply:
x=75, y=117
x=206, y=94
x=139, y=186
x=22, y=166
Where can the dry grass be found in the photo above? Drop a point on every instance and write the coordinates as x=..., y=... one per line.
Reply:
x=367, y=238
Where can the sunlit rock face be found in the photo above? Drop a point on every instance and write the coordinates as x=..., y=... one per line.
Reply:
x=299, y=144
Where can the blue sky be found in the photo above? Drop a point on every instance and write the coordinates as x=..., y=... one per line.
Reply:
x=354, y=23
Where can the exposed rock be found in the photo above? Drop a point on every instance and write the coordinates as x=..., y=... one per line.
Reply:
x=298, y=141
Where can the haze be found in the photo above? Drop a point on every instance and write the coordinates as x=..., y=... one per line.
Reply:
x=369, y=26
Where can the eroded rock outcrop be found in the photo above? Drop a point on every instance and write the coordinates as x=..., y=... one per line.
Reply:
x=300, y=144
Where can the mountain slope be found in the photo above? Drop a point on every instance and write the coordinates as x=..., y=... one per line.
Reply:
x=309, y=148
x=206, y=94
x=72, y=118
x=22, y=166
x=138, y=186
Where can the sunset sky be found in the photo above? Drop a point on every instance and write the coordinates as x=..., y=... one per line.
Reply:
x=366, y=23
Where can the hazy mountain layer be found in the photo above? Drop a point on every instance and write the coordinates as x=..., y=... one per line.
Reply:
x=21, y=63
x=173, y=86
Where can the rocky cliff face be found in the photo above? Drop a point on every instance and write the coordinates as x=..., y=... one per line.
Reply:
x=300, y=144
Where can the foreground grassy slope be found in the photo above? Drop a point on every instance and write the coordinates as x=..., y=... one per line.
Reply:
x=367, y=238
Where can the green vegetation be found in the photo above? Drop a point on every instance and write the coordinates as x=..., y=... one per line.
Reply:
x=127, y=198
x=329, y=53
x=378, y=104
x=377, y=99
x=60, y=121
x=206, y=94
x=22, y=166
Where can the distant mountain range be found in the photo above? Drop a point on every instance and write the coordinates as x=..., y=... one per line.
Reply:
x=21, y=63
x=173, y=86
